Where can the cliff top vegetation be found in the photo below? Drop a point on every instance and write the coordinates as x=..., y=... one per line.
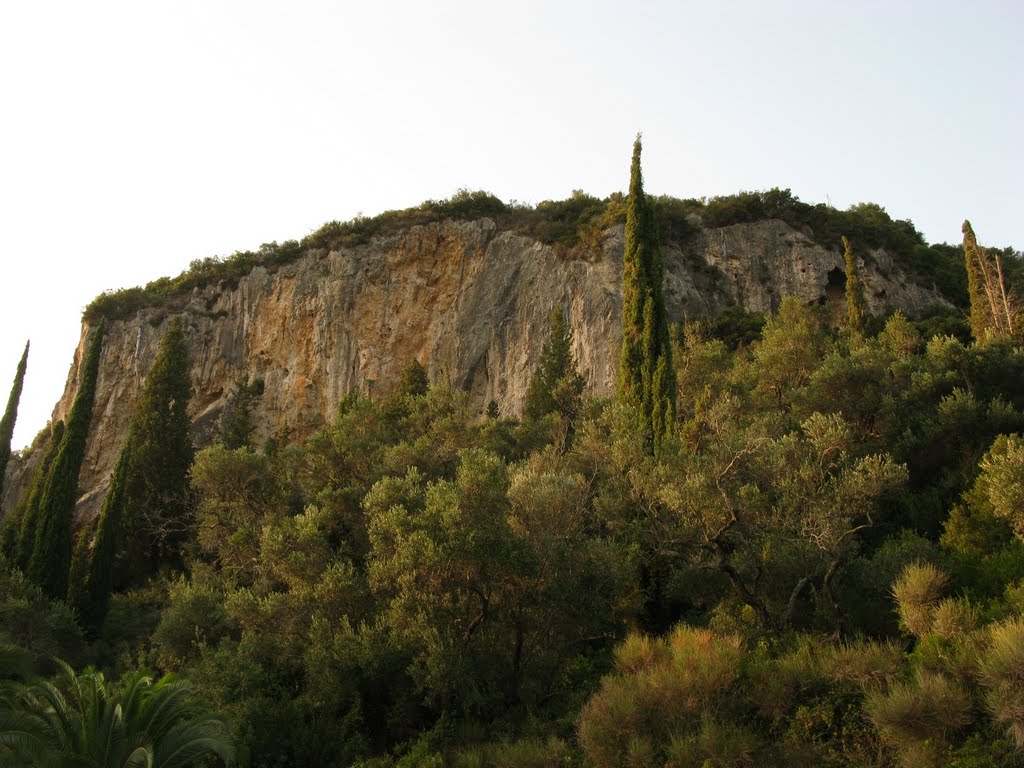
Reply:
x=578, y=222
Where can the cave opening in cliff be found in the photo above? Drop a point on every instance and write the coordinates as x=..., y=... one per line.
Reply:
x=835, y=294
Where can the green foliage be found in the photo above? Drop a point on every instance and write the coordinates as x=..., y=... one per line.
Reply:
x=195, y=619
x=791, y=345
x=417, y=585
x=647, y=379
x=735, y=327
x=145, y=509
x=157, y=506
x=90, y=588
x=523, y=753
x=83, y=720
x=10, y=415
x=238, y=425
x=920, y=717
x=856, y=306
x=413, y=382
x=917, y=594
x=50, y=560
x=663, y=690
x=238, y=492
x=19, y=526
x=556, y=385
x=865, y=223
x=564, y=223
x=1002, y=670
x=483, y=579
x=45, y=629
x=941, y=321
x=1002, y=480
x=580, y=221
x=980, y=311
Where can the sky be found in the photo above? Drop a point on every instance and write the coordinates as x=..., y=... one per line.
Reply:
x=138, y=136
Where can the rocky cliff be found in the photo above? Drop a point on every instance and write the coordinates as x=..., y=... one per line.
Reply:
x=469, y=301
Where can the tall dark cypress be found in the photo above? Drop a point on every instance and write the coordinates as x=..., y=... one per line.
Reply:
x=150, y=527
x=647, y=379
x=19, y=532
x=10, y=416
x=90, y=596
x=51, y=551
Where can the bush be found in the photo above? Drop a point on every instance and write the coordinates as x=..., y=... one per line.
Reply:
x=1002, y=672
x=870, y=666
x=662, y=689
x=524, y=753
x=194, y=619
x=46, y=629
x=917, y=593
x=919, y=717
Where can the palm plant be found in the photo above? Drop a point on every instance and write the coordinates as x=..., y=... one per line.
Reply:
x=86, y=723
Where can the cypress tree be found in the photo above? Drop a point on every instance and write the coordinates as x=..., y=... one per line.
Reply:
x=90, y=595
x=150, y=525
x=19, y=532
x=51, y=551
x=556, y=385
x=981, y=313
x=10, y=415
x=856, y=307
x=647, y=379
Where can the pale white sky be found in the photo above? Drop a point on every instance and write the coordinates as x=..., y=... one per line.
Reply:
x=136, y=136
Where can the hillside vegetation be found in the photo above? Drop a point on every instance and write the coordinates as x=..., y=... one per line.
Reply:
x=578, y=223
x=782, y=542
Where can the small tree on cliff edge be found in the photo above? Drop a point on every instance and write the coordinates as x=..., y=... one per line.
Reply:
x=10, y=415
x=51, y=551
x=647, y=379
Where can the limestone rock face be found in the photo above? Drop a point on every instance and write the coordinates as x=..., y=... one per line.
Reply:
x=470, y=302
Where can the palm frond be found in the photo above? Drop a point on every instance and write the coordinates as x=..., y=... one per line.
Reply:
x=188, y=741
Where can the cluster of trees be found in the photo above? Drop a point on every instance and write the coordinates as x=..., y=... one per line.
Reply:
x=781, y=542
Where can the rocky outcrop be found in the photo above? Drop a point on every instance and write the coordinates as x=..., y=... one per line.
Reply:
x=468, y=301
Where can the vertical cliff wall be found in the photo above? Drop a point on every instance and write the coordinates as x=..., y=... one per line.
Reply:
x=468, y=301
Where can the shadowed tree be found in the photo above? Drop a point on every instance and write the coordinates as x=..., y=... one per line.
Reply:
x=51, y=551
x=147, y=508
x=238, y=425
x=647, y=379
x=19, y=531
x=556, y=385
x=10, y=415
x=90, y=596
x=413, y=381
